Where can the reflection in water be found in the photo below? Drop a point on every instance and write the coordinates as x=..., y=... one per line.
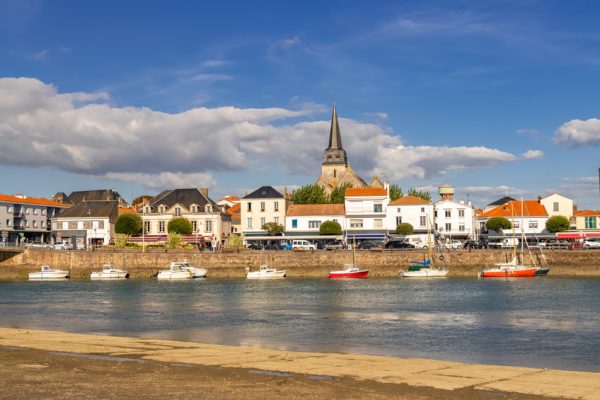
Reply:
x=547, y=322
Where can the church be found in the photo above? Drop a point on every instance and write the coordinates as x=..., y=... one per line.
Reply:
x=335, y=170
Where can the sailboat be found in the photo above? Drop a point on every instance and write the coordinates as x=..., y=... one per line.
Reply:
x=423, y=269
x=351, y=270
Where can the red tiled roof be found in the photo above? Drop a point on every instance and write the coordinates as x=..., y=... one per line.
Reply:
x=123, y=210
x=234, y=210
x=353, y=192
x=297, y=210
x=408, y=200
x=587, y=213
x=31, y=200
x=530, y=208
x=232, y=198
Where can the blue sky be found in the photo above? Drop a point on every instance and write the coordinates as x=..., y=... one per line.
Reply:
x=493, y=97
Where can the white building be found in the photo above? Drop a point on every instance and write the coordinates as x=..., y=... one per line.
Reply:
x=527, y=216
x=260, y=207
x=453, y=219
x=366, y=213
x=87, y=223
x=556, y=204
x=412, y=210
x=305, y=219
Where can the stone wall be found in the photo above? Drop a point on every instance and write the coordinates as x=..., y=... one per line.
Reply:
x=297, y=264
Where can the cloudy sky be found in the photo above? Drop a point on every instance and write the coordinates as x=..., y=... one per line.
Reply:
x=493, y=97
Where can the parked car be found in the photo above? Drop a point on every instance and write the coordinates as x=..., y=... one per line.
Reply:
x=591, y=243
x=38, y=245
x=505, y=243
x=256, y=246
x=554, y=244
x=473, y=244
x=334, y=245
x=370, y=245
x=453, y=244
x=303, y=245
x=61, y=246
x=398, y=244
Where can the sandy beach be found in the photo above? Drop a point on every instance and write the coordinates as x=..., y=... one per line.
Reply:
x=40, y=364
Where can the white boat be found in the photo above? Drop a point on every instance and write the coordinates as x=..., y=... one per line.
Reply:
x=424, y=269
x=196, y=272
x=108, y=272
x=265, y=273
x=175, y=272
x=47, y=273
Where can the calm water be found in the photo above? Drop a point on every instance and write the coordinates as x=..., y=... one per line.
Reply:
x=542, y=322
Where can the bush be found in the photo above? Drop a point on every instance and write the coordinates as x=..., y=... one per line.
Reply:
x=235, y=242
x=173, y=240
x=129, y=224
x=497, y=224
x=330, y=228
x=273, y=229
x=404, y=229
x=121, y=240
x=180, y=225
x=558, y=223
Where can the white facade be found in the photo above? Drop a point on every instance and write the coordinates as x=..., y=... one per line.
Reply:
x=454, y=218
x=366, y=212
x=255, y=212
x=98, y=230
x=555, y=204
x=415, y=214
x=527, y=225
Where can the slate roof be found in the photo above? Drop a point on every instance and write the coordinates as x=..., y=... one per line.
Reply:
x=298, y=210
x=184, y=197
x=89, y=195
x=265, y=192
x=93, y=209
x=502, y=201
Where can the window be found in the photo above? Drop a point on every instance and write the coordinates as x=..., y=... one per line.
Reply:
x=422, y=220
x=43, y=211
x=65, y=225
x=177, y=211
x=356, y=223
x=398, y=220
x=249, y=222
x=378, y=223
x=533, y=224
x=447, y=213
x=276, y=206
x=100, y=224
x=314, y=224
x=422, y=209
x=435, y=213
x=35, y=224
x=461, y=227
x=10, y=210
x=87, y=225
x=194, y=226
x=263, y=221
x=277, y=220
x=448, y=227
x=72, y=224
x=209, y=226
x=26, y=224
x=516, y=224
x=146, y=226
x=555, y=206
x=161, y=209
x=55, y=226
x=461, y=213
x=334, y=174
x=377, y=207
x=249, y=207
x=79, y=224
x=590, y=223
x=146, y=210
x=35, y=210
x=43, y=224
x=194, y=209
x=161, y=226
x=262, y=206
x=27, y=211
x=398, y=210
x=294, y=223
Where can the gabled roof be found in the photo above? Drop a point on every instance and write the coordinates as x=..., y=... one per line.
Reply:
x=588, y=213
x=409, y=200
x=501, y=201
x=264, y=192
x=356, y=192
x=517, y=208
x=298, y=210
x=30, y=200
x=124, y=210
x=232, y=199
x=89, y=195
x=92, y=209
x=234, y=210
x=184, y=197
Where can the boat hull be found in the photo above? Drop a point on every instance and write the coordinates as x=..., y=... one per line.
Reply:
x=265, y=275
x=170, y=276
x=508, y=273
x=48, y=276
x=348, y=275
x=109, y=275
x=542, y=271
x=197, y=272
x=425, y=273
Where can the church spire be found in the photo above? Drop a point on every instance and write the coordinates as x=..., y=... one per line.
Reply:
x=335, y=154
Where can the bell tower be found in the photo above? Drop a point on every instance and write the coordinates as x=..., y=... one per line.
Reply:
x=335, y=159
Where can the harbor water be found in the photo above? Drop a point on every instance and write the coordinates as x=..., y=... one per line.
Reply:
x=537, y=322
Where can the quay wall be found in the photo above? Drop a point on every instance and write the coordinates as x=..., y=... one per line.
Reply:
x=461, y=263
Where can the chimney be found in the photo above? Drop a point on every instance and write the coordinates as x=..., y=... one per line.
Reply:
x=539, y=199
x=204, y=191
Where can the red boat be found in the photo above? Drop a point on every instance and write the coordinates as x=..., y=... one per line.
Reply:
x=349, y=272
x=509, y=270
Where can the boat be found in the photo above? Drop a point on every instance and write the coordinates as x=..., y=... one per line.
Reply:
x=175, y=272
x=542, y=271
x=196, y=272
x=108, y=272
x=349, y=272
x=264, y=272
x=47, y=273
x=424, y=269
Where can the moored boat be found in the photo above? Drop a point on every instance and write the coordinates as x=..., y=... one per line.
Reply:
x=195, y=271
x=264, y=272
x=423, y=269
x=510, y=269
x=47, y=273
x=349, y=272
x=175, y=272
x=542, y=271
x=108, y=273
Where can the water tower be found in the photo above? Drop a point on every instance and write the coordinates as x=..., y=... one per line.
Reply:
x=446, y=192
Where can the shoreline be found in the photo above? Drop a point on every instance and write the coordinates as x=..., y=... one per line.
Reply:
x=417, y=377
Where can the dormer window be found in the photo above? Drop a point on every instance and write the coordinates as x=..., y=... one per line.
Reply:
x=194, y=209
x=161, y=209
x=208, y=208
x=177, y=211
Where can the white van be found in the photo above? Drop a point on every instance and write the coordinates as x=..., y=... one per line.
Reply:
x=418, y=240
x=505, y=243
x=303, y=245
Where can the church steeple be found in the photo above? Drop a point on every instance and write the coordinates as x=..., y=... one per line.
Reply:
x=335, y=154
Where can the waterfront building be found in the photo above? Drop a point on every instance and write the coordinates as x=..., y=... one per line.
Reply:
x=528, y=216
x=209, y=222
x=366, y=210
x=556, y=204
x=90, y=195
x=26, y=219
x=228, y=201
x=263, y=205
x=236, y=218
x=412, y=210
x=89, y=223
x=587, y=220
x=453, y=219
x=304, y=220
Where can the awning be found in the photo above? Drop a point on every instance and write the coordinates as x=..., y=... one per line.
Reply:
x=366, y=236
x=576, y=235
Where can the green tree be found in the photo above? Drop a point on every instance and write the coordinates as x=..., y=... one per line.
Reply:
x=273, y=229
x=309, y=194
x=558, y=223
x=395, y=192
x=129, y=224
x=497, y=224
x=330, y=228
x=173, y=240
x=235, y=242
x=179, y=225
x=121, y=240
x=404, y=229
x=338, y=195
x=419, y=193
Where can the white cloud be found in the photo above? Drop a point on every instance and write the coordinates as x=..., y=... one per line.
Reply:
x=214, y=63
x=532, y=154
x=41, y=55
x=576, y=133
x=379, y=115
x=82, y=133
x=290, y=42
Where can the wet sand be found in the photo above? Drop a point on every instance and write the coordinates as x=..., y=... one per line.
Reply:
x=45, y=364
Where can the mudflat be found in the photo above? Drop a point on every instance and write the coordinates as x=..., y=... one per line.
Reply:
x=46, y=364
